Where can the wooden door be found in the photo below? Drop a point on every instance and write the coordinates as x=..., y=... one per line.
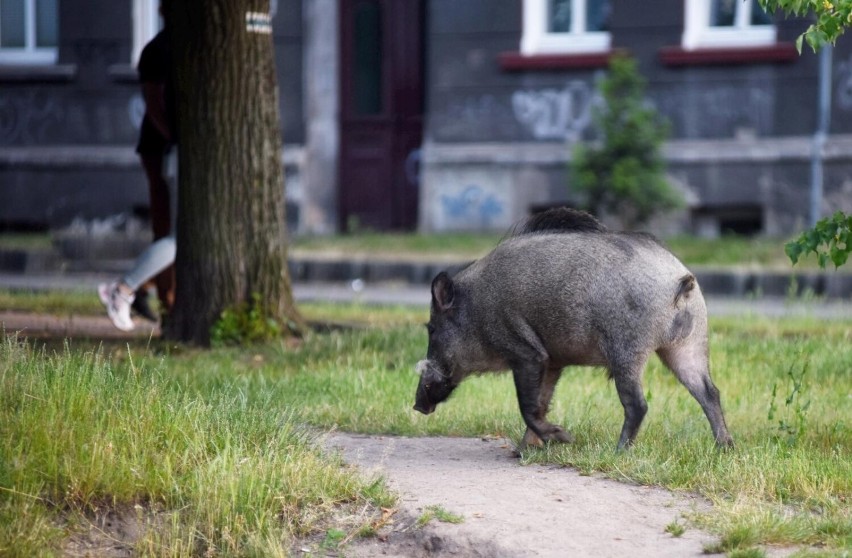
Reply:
x=381, y=113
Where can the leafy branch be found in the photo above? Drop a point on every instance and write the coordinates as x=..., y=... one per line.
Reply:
x=832, y=18
x=830, y=240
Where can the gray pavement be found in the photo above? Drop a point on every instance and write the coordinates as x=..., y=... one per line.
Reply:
x=403, y=293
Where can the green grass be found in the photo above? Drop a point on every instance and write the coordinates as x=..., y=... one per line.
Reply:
x=86, y=303
x=24, y=241
x=223, y=473
x=60, y=303
x=461, y=245
x=776, y=488
x=725, y=251
x=732, y=251
x=220, y=439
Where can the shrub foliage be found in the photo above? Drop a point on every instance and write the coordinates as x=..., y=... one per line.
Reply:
x=624, y=175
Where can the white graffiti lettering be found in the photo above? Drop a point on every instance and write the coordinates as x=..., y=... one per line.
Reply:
x=556, y=113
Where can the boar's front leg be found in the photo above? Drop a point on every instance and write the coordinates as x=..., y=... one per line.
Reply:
x=534, y=385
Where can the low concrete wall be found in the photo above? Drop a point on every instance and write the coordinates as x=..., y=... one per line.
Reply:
x=48, y=187
x=489, y=186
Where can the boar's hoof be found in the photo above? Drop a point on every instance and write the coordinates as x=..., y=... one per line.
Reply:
x=553, y=434
x=530, y=439
x=725, y=444
x=557, y=434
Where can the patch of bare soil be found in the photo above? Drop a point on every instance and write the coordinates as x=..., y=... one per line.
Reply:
x=111, y=533
x=512, y=510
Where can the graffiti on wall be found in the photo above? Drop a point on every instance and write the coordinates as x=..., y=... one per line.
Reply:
x=556, y=113
x=473, y=206
x=26, y=118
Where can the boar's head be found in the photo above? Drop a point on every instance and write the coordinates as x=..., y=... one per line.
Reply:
x=439, y=372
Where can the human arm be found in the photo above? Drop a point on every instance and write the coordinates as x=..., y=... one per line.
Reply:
x=154, y=94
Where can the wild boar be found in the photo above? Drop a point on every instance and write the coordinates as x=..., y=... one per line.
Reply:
x=564, y=290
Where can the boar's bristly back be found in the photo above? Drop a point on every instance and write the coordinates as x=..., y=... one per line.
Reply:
x=560, y=219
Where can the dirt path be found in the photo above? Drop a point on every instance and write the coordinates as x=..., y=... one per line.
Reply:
x=513, y=510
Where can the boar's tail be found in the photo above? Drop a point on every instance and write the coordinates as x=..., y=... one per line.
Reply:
x=685, y=285
x=559, y=219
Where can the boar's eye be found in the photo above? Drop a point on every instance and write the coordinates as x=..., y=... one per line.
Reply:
x=430, y=328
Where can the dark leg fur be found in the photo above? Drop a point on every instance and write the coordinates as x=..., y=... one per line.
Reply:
x=690, y=365
x=548, y=384
x=629, y=385
x=534, y=385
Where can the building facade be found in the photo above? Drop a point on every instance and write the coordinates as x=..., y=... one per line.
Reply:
x=445, y=115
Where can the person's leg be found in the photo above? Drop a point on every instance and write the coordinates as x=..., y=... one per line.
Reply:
x=157, y=257
x=158, y=190
x=118, y=296
x=162, y=209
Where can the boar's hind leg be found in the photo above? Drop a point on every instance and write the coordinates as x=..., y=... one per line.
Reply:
x=534, y=384
x=690, y=364
x=548, y=384
x=628, y=383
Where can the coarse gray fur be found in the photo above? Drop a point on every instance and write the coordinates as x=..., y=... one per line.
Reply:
x=563, y=290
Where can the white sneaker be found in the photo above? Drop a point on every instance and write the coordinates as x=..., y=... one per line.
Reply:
x=117, y=305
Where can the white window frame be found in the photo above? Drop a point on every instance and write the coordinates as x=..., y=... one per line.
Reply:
x=698, y=33
x=146, y=24
x=30, y=53
x=536, y=38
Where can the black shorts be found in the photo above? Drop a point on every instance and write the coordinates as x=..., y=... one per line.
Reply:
x=151, y=141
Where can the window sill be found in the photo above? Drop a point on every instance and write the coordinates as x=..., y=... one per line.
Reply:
x=25, y=73
x=123, y=73
x=777, y=53
x=517, y=62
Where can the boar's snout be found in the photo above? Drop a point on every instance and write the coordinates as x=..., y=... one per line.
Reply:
x=426, y=410
x=434, y=387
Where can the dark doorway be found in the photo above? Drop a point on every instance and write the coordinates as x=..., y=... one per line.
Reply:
x=381, y=120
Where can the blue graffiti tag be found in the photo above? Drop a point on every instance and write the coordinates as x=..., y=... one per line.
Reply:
x=473, y=205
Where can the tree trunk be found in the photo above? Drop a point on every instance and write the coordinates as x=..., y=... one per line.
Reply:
x=231, y=229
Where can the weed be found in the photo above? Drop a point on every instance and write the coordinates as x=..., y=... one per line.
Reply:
x=792, y=419
x=439, y=513
x=675, y=529
x=333, y=538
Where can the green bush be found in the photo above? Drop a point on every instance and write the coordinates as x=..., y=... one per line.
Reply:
x=246, y=324
x=625, y=174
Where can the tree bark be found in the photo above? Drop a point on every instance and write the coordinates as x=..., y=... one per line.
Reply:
x=231, y=227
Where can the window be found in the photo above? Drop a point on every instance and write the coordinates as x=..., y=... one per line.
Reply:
x=565, y=26
x=726, y=24
x=146, y=24
x=28, y=31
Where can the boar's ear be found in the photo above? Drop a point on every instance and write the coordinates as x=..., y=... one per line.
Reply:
x=443, y=292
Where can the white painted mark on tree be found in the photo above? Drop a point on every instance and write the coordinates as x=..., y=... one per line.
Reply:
x=258, y=22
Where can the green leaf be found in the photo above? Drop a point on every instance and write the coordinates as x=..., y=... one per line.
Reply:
x=793, y=251
x=838, y=256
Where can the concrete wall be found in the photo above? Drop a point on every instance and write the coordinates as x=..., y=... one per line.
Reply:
x=498, y=142
x=67, y=132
